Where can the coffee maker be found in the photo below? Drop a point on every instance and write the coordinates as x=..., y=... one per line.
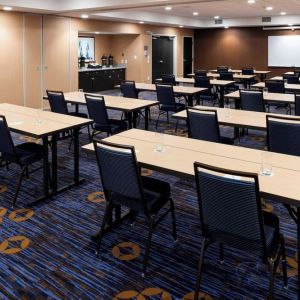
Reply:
x=104, y=60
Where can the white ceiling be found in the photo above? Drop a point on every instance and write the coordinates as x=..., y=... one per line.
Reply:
x=233, y=12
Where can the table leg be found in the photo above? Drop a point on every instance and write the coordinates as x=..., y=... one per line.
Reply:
x=190, y=101
x=76, y=155
x=134, y=118
x=129, y=118
x=147, y=111
x=76, y=108
x=45, y=167
x=54, y=163
x=221, y=103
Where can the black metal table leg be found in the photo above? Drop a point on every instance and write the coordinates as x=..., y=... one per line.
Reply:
x=129, y=118
x=134, y=118
x=147, y=111
x=221, y=103
x=45, y=167
x=76, y=155
x=190, y=100
x=54, y=163
x=77, y=108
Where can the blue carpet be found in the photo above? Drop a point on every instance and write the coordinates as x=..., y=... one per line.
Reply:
x=46, y=251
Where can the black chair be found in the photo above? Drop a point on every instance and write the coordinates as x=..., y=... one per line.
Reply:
x=123, y=185
x=128, y=89
x=252, y=100
x=203, y=125
x=231, y=215
x=209, y=95
x=297, y=72
x=275, y=86
x=200, y=73
x=24, y=155
x=167, y=103
x=248, y=71
x=221, y=69
x=291, y=79
x=226, y=76
x=98, y=113
x=168, y=79
x=297, y=105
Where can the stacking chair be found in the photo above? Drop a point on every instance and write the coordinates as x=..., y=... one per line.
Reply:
x=228, y=76
x=276, y=86
x=128, y=89
x=98, y=113
x=221, y=69
x=58, y=105
x=252, y=100
x=167, y=103
x=123, y=185
x=249, y=71
x=231, y=215
x=297, y=72
x=204, y=82
x=23, y=155
x=291, y=79
x=200, y=73
x=203, y=125
x=168, y=79
x=297, y=105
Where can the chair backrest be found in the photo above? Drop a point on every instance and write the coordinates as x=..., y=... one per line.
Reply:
x=128, y=89
x=283, y=135
x=297, y=72
x=165, y=95
x=226, y=76
x=248, y=71
x=7, y=147
x=297, y=105
x=203, y=124
x=291, y=79
x=120, y=175
x=168, y=79
x=222, y=69
x=275, y=86
x=200, y=73
x=202, y=82
x=97, y=110
x=252, y=100
x=230, y=208
x=57, y=102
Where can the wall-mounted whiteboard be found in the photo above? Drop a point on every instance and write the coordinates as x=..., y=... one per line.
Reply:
x=284, y=51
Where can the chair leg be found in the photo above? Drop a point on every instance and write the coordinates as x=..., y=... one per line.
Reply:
x=106, y=217
x=148, y=244
x=283, y=261
x=19, y=186
x=157, y=119
x=168, y=121
x=173, y=219
x=71, y=141
x=197, y=289
x=271, y=280
x=176, y=127
x=89, y=132
x=221, y=253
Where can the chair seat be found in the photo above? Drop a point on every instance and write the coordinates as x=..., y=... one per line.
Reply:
x=78, y=114
x=115, y=126
x=226, y=140
x=156, y=193
x=176, y=108
x=29, y=153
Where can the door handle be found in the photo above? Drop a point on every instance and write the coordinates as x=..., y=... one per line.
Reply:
x=161, y=61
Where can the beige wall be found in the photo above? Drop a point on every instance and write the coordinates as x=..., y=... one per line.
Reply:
x=40, y=52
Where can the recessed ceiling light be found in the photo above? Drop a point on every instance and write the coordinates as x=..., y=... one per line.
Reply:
x=7, y=8
x=97, y=32
x=269, y=8
x=291, y=24
x=283, y=13
x=141, y=22
x=226, y=27
x=84, y=16
x=251, y=1
x=217, y=17
x=181, y=26
x=168, y=8
x=195, y=13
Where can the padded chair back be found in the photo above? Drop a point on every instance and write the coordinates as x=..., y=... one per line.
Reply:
x=203, y=124
x=292, y=79
x=128, y=89
x=200, y=73
x=6, y=145
x=97, y=110
x=297, y=72
x=120, y=176
x=222, y=69
x=275, y=86
x=248, y=71
x=165, y=95
x=168, y=79
x=283, y=135
x=226, y=76
x=252, y=100
x=57, y=102
x=202, y=82
x=230, y=208
x=297, y=105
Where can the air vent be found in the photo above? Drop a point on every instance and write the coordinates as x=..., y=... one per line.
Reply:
x=219, y=22
x=266, y=19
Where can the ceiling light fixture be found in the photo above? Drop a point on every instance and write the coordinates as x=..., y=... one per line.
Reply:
x=181, y=26
x=216, y=17
x=251, y=1
x=168, y=8
x=7, y=8
x=226, y=27
x=84, y=16
x=283, y=13
x=141, y=22
x=195, y=13
x=269, y=8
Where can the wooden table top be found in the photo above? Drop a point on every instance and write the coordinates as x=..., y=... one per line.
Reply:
x=273, y=97
x=112, y=102
x=180, y=154
x=289, y=73
x=235, y=117
x=184, y=90
x=291, y=87
x=36, y=123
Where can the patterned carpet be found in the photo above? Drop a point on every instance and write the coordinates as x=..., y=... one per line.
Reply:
x=46, y=252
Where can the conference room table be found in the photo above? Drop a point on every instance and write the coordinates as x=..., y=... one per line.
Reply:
x=129, y=106
x=186, y=91
x=283, y=186
x=42, y=125
x=279, y=78
x=290, y=87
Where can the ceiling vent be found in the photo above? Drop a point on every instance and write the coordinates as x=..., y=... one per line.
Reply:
x=266, y=19
x=218, y=22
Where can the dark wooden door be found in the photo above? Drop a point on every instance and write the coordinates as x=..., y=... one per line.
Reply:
x=162, y=56
x=187, y=56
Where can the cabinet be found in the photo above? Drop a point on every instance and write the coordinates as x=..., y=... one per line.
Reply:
x=100, y=80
